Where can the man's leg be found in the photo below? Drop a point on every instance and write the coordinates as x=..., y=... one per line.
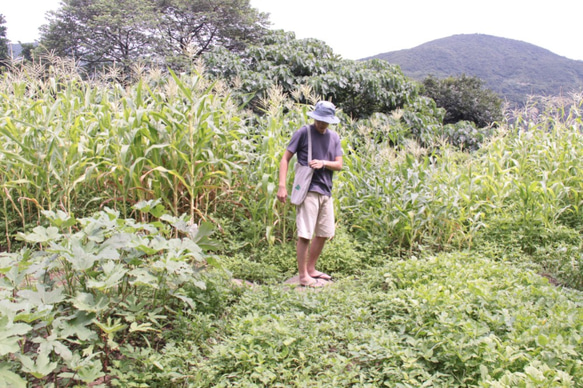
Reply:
x=306, y=218
x=325, y=228
x=302, y=248
x=314, y=254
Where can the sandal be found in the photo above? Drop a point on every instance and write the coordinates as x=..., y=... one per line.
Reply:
x=315, y=284
x=323, y=276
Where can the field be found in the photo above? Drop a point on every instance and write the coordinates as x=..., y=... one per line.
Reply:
x=130, y=209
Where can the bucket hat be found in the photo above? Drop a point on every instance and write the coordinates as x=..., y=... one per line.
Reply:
x=325, y=111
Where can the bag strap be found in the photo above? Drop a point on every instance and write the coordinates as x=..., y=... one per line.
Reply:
x=309, y=144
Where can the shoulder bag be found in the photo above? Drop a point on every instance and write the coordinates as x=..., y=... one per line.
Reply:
x=303, y=177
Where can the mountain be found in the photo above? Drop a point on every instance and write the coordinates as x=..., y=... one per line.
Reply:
x=512, y=68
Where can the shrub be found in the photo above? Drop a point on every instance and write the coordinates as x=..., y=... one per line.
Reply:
x=464, y=99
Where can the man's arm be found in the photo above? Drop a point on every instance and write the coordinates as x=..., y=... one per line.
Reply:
x=283, y=167
x=336, y=165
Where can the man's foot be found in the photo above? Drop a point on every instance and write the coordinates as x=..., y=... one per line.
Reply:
x=313, y=283
x=321, y=275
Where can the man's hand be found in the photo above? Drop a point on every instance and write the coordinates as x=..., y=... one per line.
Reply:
x=317, y=164
x=282, y=194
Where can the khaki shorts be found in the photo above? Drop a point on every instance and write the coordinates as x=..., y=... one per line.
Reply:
x=315, y=215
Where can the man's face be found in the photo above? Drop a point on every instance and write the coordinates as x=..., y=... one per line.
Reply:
x=321, y=126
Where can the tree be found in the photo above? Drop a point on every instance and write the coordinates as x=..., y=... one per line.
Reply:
x=358, y=88
x=27, y=51
x=100, y=32
x=4, y=57
x=159, y=32
x=192, y=27
x=465, y=99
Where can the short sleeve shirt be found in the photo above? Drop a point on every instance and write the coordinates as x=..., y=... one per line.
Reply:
x=325, y=146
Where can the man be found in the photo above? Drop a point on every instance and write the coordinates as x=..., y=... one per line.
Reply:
x=315, y=216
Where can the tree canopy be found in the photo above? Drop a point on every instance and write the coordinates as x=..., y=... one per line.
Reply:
x=159, y=32
x=358, y=88
x=464, y=98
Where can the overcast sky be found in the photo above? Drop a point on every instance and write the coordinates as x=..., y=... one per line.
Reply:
x=360, y=28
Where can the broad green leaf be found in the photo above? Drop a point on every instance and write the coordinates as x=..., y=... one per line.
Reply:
x=77, y=327
x=83, y=257
x=60, y=219
x=191, y=303
x=40, y=367
x=144, y=277
x=110, y=327
x=9, y=379
x=147, y=250
x=7, y=261
x=144, y=327
x=119, y=240
x=542, y=340
x=90, y=370
x=15, y=276
x=51, y=344
x=9, y=345
x=30, y=317
x=41, y=296
x=113, y=276
x=86, y=302
x=10, y=334
x=40, y=234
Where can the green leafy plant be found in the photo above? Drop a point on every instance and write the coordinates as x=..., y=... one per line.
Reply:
x=449, y=320
x=91, y=287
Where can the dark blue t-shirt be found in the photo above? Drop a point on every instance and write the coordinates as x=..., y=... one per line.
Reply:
x=325, y=146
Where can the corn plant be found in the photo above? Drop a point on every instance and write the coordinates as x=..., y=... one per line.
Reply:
x=44, y=137
x=71, y=144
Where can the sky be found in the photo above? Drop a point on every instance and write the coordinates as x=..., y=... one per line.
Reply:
x=358, y=29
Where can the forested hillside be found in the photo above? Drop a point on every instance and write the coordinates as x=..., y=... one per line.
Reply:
x=512, y=68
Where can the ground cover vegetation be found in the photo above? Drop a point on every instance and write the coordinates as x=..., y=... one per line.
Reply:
x=130, y=208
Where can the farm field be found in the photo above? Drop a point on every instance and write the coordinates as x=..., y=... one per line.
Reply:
x=129, y=209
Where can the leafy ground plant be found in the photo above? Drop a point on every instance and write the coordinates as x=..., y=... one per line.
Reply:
x=454, y=320
x=93, y=291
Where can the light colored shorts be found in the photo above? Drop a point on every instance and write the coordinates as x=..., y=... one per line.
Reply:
x=315, y=215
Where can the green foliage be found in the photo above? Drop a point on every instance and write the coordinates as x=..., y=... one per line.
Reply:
x=164, y=33
x=450, y=320
x=168, y=140
x=97, y=288
x=358, y=88
x=406, y=198
x=466, y=136
x=342, y=256
x=556, y=249
x=464, y=98
x=124, y=296
x=266, y=268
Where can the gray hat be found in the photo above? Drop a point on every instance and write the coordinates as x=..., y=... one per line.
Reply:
x=325, y=111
